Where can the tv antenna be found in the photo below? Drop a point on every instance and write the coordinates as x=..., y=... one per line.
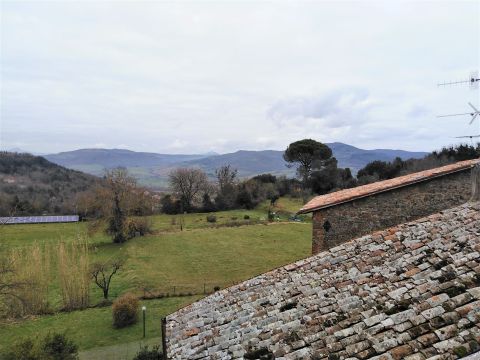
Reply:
x=473, y=80
x=471, y=137
x=473, y=114
x=467, y=136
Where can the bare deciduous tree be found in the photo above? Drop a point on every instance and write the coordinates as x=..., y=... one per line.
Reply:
x=119, y=187
x=9, y=285
x=226, y=177
x=188, y=184
x=227, y=189
x=102, y=274
x=113, y=200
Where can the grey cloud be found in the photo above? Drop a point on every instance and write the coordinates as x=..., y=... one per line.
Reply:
x=334, y=109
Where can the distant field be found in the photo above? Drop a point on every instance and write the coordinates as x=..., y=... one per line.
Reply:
x=24, y=235
x=217, y=257
x=170, y=261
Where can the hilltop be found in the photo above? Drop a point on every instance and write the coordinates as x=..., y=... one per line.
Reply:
x=152, y=169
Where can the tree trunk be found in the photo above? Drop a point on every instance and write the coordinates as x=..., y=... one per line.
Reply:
x=476, y=183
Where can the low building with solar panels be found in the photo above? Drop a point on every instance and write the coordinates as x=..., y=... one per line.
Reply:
x=12, y=220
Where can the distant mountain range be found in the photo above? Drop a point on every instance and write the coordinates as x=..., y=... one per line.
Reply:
x=111, y=158
x=152, y=169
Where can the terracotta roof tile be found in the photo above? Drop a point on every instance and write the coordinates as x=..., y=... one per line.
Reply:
x=347, y=195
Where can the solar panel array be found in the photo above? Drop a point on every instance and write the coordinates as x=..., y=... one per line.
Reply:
x=38, y=219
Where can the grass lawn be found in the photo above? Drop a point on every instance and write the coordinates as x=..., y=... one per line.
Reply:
x=284, y=208
x=217, y=257
x=93, y=327
x=121, y=351
x=25, y=235
x=164, y=222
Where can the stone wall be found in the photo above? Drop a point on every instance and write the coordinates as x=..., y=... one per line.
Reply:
x=339, y=223
x=410, y=292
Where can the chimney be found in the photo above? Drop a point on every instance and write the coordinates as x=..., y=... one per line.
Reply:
x=476, y=183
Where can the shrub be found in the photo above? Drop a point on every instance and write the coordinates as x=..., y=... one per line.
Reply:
x=211, y=218
x=271, y=216
x=137, y=226
x=170, y=205
x=22, y=350
x=52, y=347
x=246, y=217
x=149, y=354
x=216, y=288
x=59, y=347
x=125, y=311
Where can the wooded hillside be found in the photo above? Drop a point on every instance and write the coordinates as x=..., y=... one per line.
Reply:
x=32, y=185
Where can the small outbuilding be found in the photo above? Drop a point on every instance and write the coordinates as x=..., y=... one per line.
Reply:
x=347, y=214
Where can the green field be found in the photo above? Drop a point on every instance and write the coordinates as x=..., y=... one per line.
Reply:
x=170, y=261
x=92, y=328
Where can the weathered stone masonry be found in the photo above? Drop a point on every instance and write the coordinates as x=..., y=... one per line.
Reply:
x=409, y=199
x=411, y=292
x=368, y=214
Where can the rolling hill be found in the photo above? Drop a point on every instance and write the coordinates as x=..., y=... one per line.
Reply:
x=99, y=159
x=355, y=158
x=152, y=169
x=32, y=185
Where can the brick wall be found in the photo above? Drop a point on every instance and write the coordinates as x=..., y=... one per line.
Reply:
x=340, y=223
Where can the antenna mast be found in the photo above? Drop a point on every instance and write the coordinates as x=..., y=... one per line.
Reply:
x=473, y=80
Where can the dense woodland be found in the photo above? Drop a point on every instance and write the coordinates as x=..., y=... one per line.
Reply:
x=381, y=170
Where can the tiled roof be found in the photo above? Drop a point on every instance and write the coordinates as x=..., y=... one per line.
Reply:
x=347, y=195
x=411, y=292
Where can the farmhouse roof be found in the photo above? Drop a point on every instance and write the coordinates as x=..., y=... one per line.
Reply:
x=343, y=196
x=411, y=292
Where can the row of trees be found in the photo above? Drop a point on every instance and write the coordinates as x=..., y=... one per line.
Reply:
x=383, y=170
x=317, y=171
x=316, y=168
x=192, y=190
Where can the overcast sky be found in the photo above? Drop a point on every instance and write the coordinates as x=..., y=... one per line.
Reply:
x=192, y=77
